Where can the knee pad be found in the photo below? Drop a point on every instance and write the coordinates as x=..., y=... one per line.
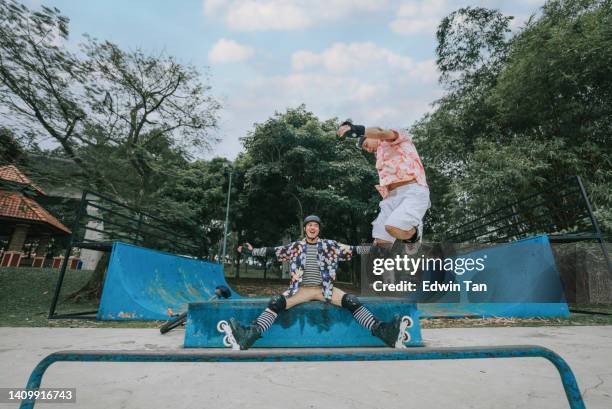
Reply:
x=277, y=303
x=350, y=302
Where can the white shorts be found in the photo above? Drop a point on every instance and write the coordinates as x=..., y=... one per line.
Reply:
x=404, y=208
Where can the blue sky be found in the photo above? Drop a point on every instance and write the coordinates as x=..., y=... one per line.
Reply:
x=372, y=61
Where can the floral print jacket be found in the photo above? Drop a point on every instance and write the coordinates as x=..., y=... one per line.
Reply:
x=329, y=254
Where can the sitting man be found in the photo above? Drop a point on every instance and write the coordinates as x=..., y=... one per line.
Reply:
x=313, y=270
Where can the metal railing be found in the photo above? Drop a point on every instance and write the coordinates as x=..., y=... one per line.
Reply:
x=572, y=391
x=563, y=212
x=100, y=221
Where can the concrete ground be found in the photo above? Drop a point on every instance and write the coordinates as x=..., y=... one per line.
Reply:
x=502, y=383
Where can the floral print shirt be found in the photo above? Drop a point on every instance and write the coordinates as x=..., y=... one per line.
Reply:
x=398, y=161
x=330, y=252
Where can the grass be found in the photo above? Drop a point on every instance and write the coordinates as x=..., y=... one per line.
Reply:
x=26, y=293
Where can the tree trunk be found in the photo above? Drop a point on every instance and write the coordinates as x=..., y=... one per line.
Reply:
x=92, y=290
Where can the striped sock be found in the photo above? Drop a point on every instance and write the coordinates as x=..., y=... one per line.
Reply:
x=266, y=319
x=364, y=317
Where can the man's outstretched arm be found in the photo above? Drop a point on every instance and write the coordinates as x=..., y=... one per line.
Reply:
x=281, y=252
x=357, y=131
x=347, y=251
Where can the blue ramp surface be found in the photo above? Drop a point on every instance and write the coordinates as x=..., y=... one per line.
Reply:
x=313, y=324
x=522, y=279
x=141, y=284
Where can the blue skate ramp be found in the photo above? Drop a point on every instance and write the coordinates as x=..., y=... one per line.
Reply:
x=141, y=284
x=493, y=310
x=522, y=279
x=313, y=324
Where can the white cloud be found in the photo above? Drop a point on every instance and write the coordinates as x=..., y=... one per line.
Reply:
x=425, y=72
x=213, y=6
x=519, y=21
x=388, y=99
x=252, y=15
x=413, y=17
x=343, y=57
x=367, y=61
x=424, y=16
x=270, y=15
x=228, y=51
x=372, y=104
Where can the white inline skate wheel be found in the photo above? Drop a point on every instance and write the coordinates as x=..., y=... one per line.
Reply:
x=221, y=325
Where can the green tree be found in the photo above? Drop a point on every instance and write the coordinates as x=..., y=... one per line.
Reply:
x=194, y=201
x=141, y=103
x=127, y=103
x=294, y=166
x=11, y=150
x=128, y=120
x=39, y=79
x=521, y=112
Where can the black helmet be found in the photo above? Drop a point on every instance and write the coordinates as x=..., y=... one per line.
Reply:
x=312, y=218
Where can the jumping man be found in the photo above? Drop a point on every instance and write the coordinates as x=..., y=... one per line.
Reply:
x=402, y=185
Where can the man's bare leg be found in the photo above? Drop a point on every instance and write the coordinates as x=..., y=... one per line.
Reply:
x=305, y=294
x=408, y=241
x=400, y=234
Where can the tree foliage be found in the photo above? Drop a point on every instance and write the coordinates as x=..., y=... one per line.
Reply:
x=521, y=112
x=293, y=166
x=38, y=76
x=11, y=150
x=107, y=108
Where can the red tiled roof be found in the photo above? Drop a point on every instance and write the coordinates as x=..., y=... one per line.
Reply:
x=13, y=174
x=18, y=206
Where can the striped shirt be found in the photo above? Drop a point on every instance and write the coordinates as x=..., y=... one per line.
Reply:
x=312, y=275
x=295, y=253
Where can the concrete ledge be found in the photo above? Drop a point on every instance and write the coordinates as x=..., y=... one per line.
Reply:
x=314, y=324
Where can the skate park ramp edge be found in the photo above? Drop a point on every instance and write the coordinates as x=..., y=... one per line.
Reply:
x=314, y=324
x=142, y=284
x=523, y=279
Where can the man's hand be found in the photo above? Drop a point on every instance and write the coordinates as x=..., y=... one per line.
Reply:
x=348, y=130
x=343, y=130
x=249, y=248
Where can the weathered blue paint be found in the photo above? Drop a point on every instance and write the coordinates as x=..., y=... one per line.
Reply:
x=488, y=310
x=315, y=355
x=313, y=324
x=141, y=284
x=522, y=280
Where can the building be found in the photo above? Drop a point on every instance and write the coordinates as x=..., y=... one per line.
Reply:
x=23, y=219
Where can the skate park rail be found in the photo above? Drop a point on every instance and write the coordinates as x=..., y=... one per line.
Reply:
x=568, y=379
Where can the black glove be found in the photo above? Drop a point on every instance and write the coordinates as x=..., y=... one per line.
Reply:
x=223, y=291
x=356, y=131
x=245, y=250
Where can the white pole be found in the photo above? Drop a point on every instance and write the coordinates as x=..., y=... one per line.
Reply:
x=229, y=190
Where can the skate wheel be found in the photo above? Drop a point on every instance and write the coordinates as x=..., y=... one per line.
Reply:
x=226, y=341
x=221, y=325
x=406, y=319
